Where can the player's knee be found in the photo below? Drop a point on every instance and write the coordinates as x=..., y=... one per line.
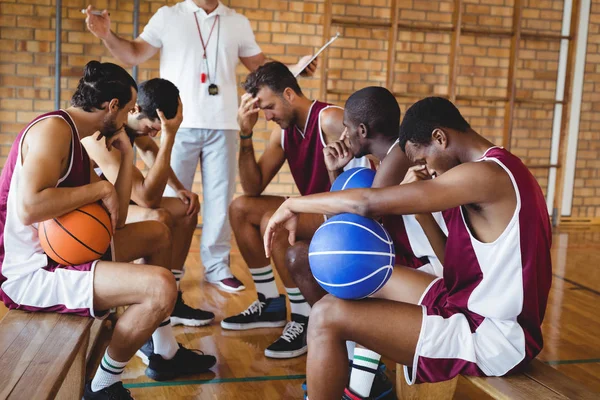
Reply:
x=190, y=221
x=239, y=208
x=324, y=316
x=264, y=221
x=161, y=236
x=162, y=291
x=162, y=215
x=296, y=259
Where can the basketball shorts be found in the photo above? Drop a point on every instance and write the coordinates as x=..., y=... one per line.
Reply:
x=455, y=341
x=63, y=289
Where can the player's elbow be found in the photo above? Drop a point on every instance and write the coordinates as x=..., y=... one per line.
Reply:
x=26, y=213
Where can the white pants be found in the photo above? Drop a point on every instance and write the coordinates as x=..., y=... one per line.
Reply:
x=216, y=151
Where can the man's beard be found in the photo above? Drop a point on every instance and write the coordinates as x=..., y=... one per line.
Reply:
x=109, y=127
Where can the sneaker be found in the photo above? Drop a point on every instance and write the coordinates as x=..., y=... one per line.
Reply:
x=146, y=350
x=116, y=391
x=185, y=362
x=292, y=342
x=263, y=313
x=185, y=315
x=231, y=285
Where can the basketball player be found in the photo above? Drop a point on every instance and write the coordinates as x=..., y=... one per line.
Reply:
x=158, y=109
x=483, y=317
x=47, y=174
x=371, y=120
x=305, y=127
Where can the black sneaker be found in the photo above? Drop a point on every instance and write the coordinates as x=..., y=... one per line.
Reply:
x=116, y=391
x=292, y=342
x=263, y=313
x=383, y=388
x=146, y=350
x=185, y=315
x=185, y=362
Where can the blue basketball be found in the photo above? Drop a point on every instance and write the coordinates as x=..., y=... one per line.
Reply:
x=354, y=178
x=351, y=256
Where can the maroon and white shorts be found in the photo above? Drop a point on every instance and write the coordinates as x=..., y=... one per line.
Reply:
x=455, y=341
x=55, y=288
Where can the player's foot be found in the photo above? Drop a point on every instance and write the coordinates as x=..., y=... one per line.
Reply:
x=185, y=315
x=116, y=391
x=263, y=313
x=382, y=389
x=292, y=342
x=185, y=362
x=230, y=285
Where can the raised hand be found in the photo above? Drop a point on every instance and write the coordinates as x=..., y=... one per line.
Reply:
x=99, y=25
x=247, y=113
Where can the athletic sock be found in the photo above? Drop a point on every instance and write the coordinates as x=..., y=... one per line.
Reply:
x=108, y=373
x=364, y=368
x=350, y=346
x=298, y=302
x=164, y=341
x=265, y=282
x=178, y=274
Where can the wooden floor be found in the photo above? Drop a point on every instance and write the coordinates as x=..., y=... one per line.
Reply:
x=571, y=332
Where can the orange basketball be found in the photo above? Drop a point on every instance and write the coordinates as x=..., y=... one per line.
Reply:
x=77, y=237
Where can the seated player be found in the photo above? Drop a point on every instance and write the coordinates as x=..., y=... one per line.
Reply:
x=484, y=316
x=47, y=174
x=305, y=128
x=158, y=109
x=371, y=120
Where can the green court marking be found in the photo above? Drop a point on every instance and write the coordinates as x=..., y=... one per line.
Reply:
x=214, y=381
x=566, y=362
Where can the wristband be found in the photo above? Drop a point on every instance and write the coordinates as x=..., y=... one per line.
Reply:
x=246, y=136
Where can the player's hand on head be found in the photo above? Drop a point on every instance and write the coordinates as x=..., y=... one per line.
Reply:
x=416, y=173
x=310, y=68
x=337, y=155
x=99, y=25
x=191, y=200
x=283, y=218
x=171, y=126
x=247, y=113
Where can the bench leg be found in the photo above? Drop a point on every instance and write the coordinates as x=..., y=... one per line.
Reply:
x=424, y=391
x=74, y=383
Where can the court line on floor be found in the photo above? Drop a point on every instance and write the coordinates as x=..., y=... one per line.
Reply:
x=579, y=285
x=566, y=362
x=214, y=381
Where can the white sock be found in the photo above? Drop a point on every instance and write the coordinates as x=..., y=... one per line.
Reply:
x=108, y=372
x=298, y=302
x=178, y=274
x=364, y=368
x=164, y=341
x=350, y=346
x=265, y=282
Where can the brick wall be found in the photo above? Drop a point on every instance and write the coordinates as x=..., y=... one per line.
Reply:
x=287, y=30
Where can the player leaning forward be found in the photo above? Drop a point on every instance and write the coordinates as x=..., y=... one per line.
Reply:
x=484, y=316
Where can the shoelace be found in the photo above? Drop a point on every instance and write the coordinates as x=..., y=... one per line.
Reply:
x=254, y=307
x=292, y=330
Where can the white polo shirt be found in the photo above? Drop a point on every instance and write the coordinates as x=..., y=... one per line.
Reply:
x=173, y=30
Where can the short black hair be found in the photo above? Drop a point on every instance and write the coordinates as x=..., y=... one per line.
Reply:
x=157, y=93
x=102, y=82
x=376, y=108
x=426, y=115
x=275, y=75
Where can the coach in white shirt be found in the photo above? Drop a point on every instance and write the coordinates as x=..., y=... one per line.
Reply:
x=201, y=42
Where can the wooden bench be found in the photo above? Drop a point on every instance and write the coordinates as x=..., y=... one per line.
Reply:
x=539, y=381
x=43, y=355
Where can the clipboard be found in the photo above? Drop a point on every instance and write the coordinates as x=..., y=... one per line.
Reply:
x=333, y=39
